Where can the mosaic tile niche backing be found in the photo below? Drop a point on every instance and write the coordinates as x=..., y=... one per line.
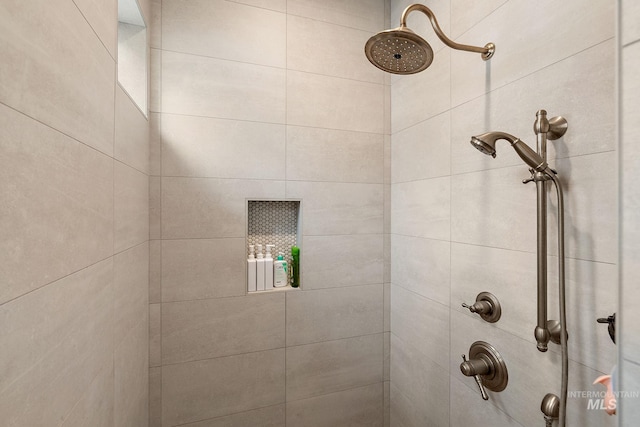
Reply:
x=274, y=223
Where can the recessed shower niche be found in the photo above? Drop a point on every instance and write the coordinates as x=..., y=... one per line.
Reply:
x=277, y=223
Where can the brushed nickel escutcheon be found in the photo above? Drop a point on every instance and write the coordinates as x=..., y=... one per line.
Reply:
x=487, y=306
x=486, y=366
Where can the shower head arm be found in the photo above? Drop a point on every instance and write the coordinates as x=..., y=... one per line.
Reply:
x=486, y=51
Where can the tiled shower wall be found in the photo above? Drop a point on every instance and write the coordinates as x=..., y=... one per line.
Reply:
x=267, y=99
x=75, y=222
x=462, y=222
x=630, y=206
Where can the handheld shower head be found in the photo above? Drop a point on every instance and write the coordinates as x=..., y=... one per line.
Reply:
x=486, y=143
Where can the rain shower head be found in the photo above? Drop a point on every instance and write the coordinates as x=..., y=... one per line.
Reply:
x=401, y=51
x=486, y=143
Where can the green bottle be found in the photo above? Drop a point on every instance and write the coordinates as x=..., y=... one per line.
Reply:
x=295, y=266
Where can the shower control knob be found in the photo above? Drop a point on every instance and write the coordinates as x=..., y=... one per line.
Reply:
x=487, y=306
x=486, y=366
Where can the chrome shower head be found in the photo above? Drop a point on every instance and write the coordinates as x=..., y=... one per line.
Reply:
x=486, y=143
x=401, y=51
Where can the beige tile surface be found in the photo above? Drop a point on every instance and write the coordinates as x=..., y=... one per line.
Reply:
x=102, y=15
x=56, y=340
x=210, y=208
x=413, y=214
x=131, y=133
x=418, y=97
x=422, y=266
x=465, y=14
x=350, y=408
x=277, y=5
x=630, y=28
x=201, y=86
x=131, y=207
x=131, y=290
x=131, y=378
x=306, y=35
x=329, y=261
x=155, y=24
x=422, y=322
x=207, y=147
x=57, y=70
x=155, y=397
x=575, y=32
x=203, y=268
x=223, y=29
x=56, y=204
x=196, y=330
x=155, y=143
x=339, y=208
x=95, y=407
x=316, y=154
x=424, y=385
x=320, y=315
x=475, y=408
x=363, y=14
x=422, y=151
x=271, y=416
x=155, y=271
x=155, y=207
x=335, y=103
x=197, y=391
x=323, y=368
x=155, y=81
x=155, y=335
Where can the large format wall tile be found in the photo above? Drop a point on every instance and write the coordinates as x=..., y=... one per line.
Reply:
x=363, y=14
x=196, y=391
x=575, y=29
x=422, y=322
x=413, y=213
x=102, y=15
x=224, y=29
x=328, y=314
x=131, y=133
x=493, y=208
x=57, y=71
x=358, y=407
x=329, y=261
x=56, y=204
x=423, y=266
x=194, y=330
x=339, y=208
x=424, y=384
x=630, y=10
x=418, y=97
x=95, y=408
x=629, y=165
x=203, y=268
x=218, y=148
x=131, y=378
x=325, y=40
x=210, y=208
x=422, y=151
x=131, y=207
x=513, y=108
x=315, y=154
x=335, y=103
x=475, y=408
x=200, y=86
x=55, y=341
x=467, y=13
x=323, y=368
x=131, y=289
x=271, y=416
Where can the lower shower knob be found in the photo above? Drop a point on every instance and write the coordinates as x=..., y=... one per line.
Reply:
x=486, y=366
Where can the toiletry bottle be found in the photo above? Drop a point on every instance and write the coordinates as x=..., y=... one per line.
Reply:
x=251, y=270
x=268, y=268
x=260, y=269
x=280, y=271
x=295, y=266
